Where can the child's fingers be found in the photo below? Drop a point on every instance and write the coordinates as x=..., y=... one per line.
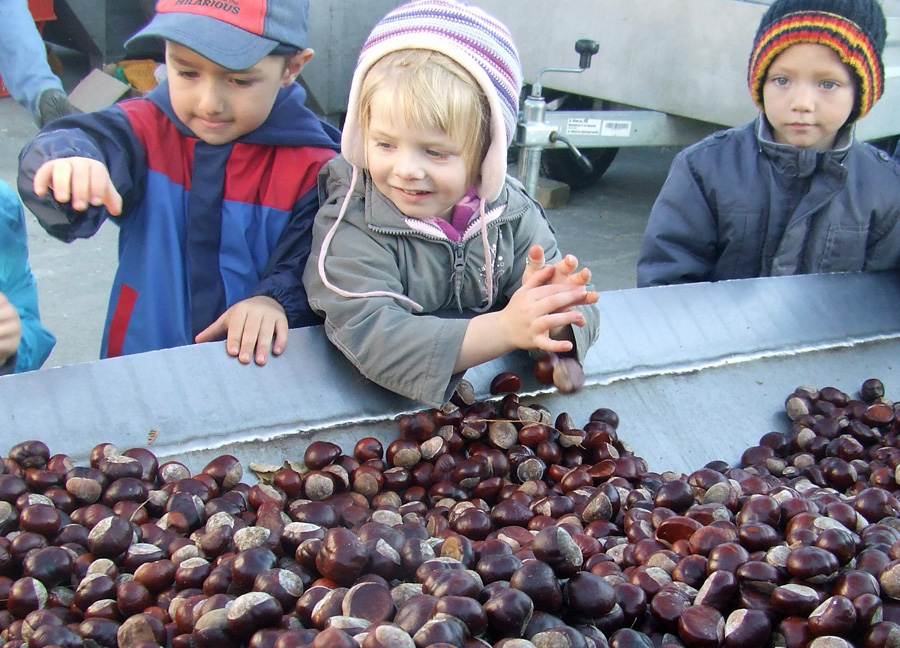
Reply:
x=533, y=263
x=212, y=332
x=43, y=178
x=537, y=276
x=100, y=189
x=61, y=181
x=583, y=276
x=112, y=200
x=82, y=177
x=536, y=256
x=262, y=342
x=281, y=336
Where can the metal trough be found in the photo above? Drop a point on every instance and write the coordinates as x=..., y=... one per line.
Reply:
x=696, y=372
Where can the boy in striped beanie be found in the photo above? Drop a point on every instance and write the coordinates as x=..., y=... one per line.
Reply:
x=793, y=192
x=851, y=31
x=426, y=258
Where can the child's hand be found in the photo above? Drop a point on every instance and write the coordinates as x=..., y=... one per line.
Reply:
x=564, y=269
x=10, y=329
x=78, y=180
x=539, y=315
x=540, y=309
x=254, y=325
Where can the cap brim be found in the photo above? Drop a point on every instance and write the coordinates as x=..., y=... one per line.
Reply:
x=223, y=44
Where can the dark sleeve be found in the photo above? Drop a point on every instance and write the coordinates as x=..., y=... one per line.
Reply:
x=679, y=243
x=283, y=277
x=9, y=366
x=106, y=136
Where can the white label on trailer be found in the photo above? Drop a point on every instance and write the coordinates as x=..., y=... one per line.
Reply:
x=583, y=126
x=615, y=128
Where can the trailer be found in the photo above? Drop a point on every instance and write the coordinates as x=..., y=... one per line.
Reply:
x=666, y=73
x=696, y=372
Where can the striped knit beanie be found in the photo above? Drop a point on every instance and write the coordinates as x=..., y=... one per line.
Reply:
x=855, y=29
x=472, y=38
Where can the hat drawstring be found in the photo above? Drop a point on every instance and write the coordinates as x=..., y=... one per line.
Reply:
x=324, y=250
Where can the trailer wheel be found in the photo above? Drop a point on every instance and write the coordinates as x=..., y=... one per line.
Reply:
x=558, y=164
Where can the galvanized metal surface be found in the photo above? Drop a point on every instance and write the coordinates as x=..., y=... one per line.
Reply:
x=696, y=372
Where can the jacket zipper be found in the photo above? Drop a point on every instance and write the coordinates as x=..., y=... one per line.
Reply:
x=459, y=264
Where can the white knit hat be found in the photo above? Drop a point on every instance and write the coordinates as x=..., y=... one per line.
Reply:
x=472, y=38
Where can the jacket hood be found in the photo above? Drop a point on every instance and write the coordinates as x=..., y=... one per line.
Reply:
x=478, y=42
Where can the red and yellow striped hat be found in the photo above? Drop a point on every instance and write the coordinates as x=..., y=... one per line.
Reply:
x=854, y=29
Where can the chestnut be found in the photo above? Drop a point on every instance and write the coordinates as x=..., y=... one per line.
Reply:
x=342, y=556
x=212, y=631
x=253, y=611
x=156, y=575
x=568, y=376
x=26, y=595
x=538, y=580
x=702, y=627
x=835, y=616
x=589, y=595
x=50, y=565
x=283, y=585
x=248, y=564
x=110, y=537
x=747, y=628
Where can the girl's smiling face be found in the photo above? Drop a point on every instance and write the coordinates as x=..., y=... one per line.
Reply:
x=808, y=95
x=221, y=105
x=421, y=170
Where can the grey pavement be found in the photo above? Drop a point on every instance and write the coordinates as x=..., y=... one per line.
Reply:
x=602, y=225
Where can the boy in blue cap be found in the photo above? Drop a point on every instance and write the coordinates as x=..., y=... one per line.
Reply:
x=211, y=178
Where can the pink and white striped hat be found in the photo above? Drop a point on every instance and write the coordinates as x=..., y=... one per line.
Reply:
x=472, y=38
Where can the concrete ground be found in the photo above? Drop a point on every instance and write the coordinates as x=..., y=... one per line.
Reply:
x=601, y=225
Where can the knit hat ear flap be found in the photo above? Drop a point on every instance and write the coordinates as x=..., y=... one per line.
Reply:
x=478, y=42
x=855, y=29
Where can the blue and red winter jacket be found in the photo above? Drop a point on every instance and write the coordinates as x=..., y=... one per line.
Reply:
x=202, y=226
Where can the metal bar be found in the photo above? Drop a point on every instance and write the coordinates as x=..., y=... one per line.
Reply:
x=619, y=128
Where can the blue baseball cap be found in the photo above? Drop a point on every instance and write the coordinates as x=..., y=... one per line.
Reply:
x=236, y=34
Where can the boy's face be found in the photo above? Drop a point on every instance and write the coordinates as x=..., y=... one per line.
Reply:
x=422, y=171
x=221, y=105
x=808, y=96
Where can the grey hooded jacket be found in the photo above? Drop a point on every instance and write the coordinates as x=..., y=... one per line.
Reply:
x=375, y=248
x=739, y=205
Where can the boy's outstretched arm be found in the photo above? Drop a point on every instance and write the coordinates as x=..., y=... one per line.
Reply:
x=534, y=311
x=251, y=328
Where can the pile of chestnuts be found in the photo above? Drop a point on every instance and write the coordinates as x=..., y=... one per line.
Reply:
x=484, y=523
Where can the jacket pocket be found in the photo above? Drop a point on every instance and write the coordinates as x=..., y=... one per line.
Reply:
x=844, y=250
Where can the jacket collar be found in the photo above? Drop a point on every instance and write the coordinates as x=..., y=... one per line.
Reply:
x=797, y=161
x=383, y=215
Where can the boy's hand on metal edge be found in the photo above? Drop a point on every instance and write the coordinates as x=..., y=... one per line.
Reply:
x=80, y=181
x=252, y=329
